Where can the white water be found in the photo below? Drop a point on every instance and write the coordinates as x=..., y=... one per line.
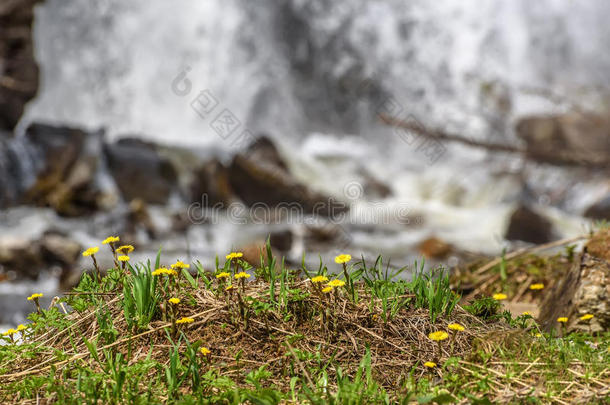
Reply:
x=112, y=64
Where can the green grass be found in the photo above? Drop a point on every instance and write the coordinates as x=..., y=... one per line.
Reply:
x=282, y=339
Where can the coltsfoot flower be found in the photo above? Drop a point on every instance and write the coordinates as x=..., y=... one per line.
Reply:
x=234, y=255
x=438, y=335
x=174, y=301
x=223, y=274
x=111, y=239
x=242, y=274
x=319, y=279
x=9, y=332
x=456, y=327
x=21, y=327
x=34, y=297
x=205, y=351
x=91, y=251
x=185, y=320
x=430, y=364
x=343, y=259
x=537, y=286
x=336, y=283
x=180, y=265
x=562, y=319
x=123, y=258
x=586, y=317
x=328, y=289
x=165, y=271
x=499, y=296
x=125, y=249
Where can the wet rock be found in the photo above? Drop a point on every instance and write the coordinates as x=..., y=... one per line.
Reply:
x=140, y=172
x=210, y=186
x=600, y=210
x=585, y=289
x=281, y=240
x=434, y=248
x=572, y=137
x=66, y=162
x=266, y=182
x=528, y=226
x=27, y=258
x=21, y=256
x=18, y=67
x=373, y=188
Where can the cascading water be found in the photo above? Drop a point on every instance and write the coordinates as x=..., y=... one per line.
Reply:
x=314, y=74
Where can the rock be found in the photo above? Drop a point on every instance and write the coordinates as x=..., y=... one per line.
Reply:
x=263, y=150
x=434, y=248
x=140, y=172
x=210, y=186
x=18, y=67
x=66, y=162
x=585, y=289
x=528, y=226
x=60, y=250
x=258, y=178
x=572, y=137
x=21, y=256
x=281, y=240
x=373, y=188
x=600, y=210
x=26, y=258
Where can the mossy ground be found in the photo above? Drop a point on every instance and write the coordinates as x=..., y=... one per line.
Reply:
x=279, y=339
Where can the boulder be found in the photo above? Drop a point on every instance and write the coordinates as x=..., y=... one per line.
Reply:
x=374, y=189
x=258, y=176
x=18, y=67
x=434, y=248
x=66, y=162
x=528, y=226
x=584, y=289
x=600, y=210
x=140, y=172
x=210, y=186
x=573, y=137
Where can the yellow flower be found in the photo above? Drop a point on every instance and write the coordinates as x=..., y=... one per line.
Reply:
x=562, y=319
x=456, y=326
x=10, y=332
x=205, y=351
x=224, y=274
x=327, y=289
x=174, y=301
x=336, y=283
x=538, y=335
x=499, y=296
x=242, y=274
x=342, y=259
x=180, y=265
x=163, y=270
x=35, y=296
x=185, y=320
x=21, y=327
x=234, y=255
x=319, y=279
x=125, y=249
x=111, y=239
x=537, y=286
x=430, y=364
x=230, y=287
x=91, y=251
x=586, y=317
x=123, y=258
x=438, y=335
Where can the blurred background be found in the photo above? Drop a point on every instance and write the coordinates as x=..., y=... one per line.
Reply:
x=450, y=130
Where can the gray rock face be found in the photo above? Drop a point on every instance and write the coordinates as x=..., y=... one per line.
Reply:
x=140, y=172
x=600, y=210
